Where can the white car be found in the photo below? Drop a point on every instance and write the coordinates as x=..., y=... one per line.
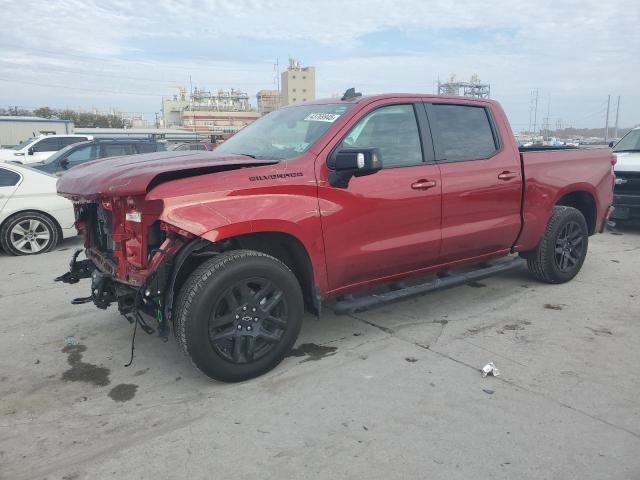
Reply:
x=33, y=218
x=40, y=148
x=626, y=194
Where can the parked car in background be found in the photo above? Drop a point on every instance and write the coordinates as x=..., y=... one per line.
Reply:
x=40, y=148
x=79, y=153
x=179, y=147
x=626, y=195
x=33, y=218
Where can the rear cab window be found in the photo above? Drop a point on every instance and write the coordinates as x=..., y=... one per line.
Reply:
x=462, y=132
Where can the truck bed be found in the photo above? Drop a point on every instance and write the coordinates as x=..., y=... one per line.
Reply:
x=545, y=174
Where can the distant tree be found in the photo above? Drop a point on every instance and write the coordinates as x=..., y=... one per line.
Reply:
x=44, y=112
x=15, y=111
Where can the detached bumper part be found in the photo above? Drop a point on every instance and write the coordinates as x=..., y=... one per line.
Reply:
x=77, y=270
x=105, y=291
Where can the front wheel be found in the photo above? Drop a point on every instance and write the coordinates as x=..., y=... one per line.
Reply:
x=562, y=250
x=238, y=315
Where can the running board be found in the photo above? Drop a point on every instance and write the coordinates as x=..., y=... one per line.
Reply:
x=353, y=305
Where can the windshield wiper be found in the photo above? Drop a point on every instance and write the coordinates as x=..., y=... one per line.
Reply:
x=244, y=155
x=627, y=150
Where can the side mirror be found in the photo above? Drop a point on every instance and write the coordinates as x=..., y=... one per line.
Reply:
x=64, y=163
x=352, y=162
x=30, y=151
x=611, y=144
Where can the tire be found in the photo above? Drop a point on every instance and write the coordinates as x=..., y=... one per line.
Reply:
x=238, y=315
x=563, y=248
x=29, y=233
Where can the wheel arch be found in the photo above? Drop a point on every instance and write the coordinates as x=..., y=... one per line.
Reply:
x=283, y=246
x=583, y=201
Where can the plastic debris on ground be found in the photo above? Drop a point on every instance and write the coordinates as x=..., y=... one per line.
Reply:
x=70, y=341
x=490, y=369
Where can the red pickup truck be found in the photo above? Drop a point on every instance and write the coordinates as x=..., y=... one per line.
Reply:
x=321, y=201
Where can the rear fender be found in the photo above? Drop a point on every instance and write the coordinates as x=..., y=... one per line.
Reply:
x=539, y=203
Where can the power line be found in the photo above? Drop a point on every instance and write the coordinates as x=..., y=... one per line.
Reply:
x=92, y=90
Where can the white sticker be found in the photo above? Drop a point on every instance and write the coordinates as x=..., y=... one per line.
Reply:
x=322, y=117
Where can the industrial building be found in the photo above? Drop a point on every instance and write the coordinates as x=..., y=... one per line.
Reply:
x=214, y=114
x=472, y=88
x=219, y=114
x=14, y=130
x=268, y=101
x=217, y=123
x=298, y=83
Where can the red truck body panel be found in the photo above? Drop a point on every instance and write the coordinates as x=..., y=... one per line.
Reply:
x=378, y=229
x=550, y=175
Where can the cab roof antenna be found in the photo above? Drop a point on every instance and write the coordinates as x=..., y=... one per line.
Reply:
x=350, y=93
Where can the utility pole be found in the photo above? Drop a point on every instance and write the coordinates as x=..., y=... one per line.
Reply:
x=535, y=112
x=606, y=125
x=615, y=131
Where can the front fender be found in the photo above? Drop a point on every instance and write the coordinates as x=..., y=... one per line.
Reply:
x=231, y=216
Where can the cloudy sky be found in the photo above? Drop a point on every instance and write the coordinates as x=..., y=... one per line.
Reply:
x=127, y=54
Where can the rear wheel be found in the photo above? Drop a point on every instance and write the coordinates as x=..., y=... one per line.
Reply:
x=238, y=315
x=561, y=253
x=29, y=233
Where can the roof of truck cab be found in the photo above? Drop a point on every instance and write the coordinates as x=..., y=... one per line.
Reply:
x=388, y=96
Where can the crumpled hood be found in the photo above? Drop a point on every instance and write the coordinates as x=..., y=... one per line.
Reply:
x=627, y=162
x=137, y=174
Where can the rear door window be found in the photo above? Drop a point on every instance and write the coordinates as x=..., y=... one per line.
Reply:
x=114, y=150
x=66, y=141
x=146, y=147
x=461, y=132
x=8, y=178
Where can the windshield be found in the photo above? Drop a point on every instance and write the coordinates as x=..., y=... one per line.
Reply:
x=629, y=143
x=285, y=133
x=23, y=144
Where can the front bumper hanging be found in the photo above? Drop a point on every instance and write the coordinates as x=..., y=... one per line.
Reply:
x=105, y=291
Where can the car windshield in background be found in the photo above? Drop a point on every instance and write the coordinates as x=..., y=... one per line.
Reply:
x=22, y=144
x=285, y=133
x=629, y=143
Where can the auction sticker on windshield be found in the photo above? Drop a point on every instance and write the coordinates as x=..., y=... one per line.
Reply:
x=322, y=117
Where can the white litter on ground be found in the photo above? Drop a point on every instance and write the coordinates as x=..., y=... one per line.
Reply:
x=490, y=369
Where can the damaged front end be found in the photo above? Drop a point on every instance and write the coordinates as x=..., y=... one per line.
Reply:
x=132, y=259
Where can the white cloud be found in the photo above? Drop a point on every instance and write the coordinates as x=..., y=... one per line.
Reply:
x=578, y=52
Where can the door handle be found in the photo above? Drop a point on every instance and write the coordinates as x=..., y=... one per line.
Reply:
x=423, y=184
x=507, y=176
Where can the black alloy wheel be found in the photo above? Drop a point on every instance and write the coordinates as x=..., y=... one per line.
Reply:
x=249, y=319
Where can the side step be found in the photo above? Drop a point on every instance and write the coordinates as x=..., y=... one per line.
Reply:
x=353, y=305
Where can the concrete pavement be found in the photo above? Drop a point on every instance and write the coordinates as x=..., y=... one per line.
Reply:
x=390, y=393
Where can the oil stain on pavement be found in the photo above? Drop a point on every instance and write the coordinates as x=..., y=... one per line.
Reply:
x=312, y=351
x=81, y=371
x=123, y=392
